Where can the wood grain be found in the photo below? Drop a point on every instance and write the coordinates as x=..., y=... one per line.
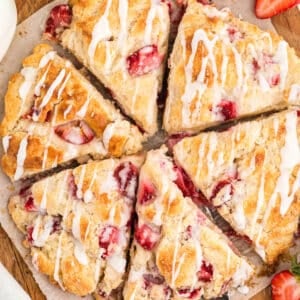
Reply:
x=287, y=24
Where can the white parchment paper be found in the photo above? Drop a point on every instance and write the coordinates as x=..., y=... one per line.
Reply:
x=27, y=36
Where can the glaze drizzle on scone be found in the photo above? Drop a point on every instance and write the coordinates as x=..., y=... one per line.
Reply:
x=251, y=174
x=53, y=115
x=223, y=68
x=77, y=224
x=124, y=43
x=177, y=252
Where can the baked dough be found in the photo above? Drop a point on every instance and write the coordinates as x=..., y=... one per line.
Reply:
x=177, y=252
x=54, y=115
x=77, y=224
x=124, y=43
x=223, y=68
x=251, y=174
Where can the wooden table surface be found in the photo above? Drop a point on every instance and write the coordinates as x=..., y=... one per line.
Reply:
x=287, y=24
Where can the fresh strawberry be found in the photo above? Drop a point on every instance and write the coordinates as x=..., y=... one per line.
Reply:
x=144, y=61
x=75, y=132
x=269, y=8
x=286, y=284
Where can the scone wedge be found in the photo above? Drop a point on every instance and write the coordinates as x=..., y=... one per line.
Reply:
x=177, y=252
x=54, y=115
x=77, y=224
x=223, y=68
x=251, y=174
x=124, y=44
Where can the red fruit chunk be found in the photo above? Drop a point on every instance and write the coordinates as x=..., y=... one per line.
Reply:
x=219, y=186
x=227, y=109
x=56, y=224
x=147, y=237
x=126, y=175
x=144, y=60
x=174, y=139
x=187, y=187
x=255, y=66
x=206, y=272
x=146, y=193
x=298, y=113
x=72, y=186
x=150, y=279
x=269, y=8
x=285, y=286
x=29, y=204
x=108, y=236
x=59, y=19
x=188, y=293
x=29, y=237
x=275, y=80
x=234, y=34
x=75, y=132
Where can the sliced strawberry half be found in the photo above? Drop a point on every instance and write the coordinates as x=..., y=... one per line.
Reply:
x=108, y=236
x=147, y=237
x=144, y=61
x=126, y=175
x=60, y=18
x=285, y=286
x=146, y=193
x=269, y=8
x=75, y=132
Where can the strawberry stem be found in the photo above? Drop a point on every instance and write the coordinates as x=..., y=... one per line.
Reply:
x=295, y=268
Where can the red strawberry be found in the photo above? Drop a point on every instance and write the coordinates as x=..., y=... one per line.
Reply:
x=269, y=8
x=75, y=132
x=126, y=175
x=285, y=286
x=144, y=61
x=109, y=235
x=59, y=19
x=146, y=193
x=147, y=237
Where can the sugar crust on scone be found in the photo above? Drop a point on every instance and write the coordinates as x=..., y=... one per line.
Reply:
x=53, y=115
x=223, y=68
x=124, y=44
x=251, y=174
x=177, y=251
x=77, y=224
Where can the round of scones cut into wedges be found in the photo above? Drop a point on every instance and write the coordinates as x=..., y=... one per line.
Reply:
x=77, y=224
x=80, y=223
x=54, y=115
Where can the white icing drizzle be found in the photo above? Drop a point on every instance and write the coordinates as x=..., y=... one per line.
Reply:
x=276, y=125
x=57, y=263
x=46, y=58
x=79, y=193
x=294, y=92
x=225, y=60
x=117, y=262
x=100, y=32
x=213, y=12
x=155, y=4
x=242, y=274
x=37, y=89
x=29, y=74
x=21, y=156
x=80, y=253
x=123, y=11
x=108, y=134
x=43, y=204
x=61, y=89
x=212, y=146
x=282, y=57
x=98, y=265
x=76, y=221
x=40, y=238
x=51, y=89
x=200, y=156
x=83, y=109
x=67, y=110
x=5, y=142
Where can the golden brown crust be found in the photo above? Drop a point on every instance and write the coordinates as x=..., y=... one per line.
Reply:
x=137, y=95
x=71, y=240
x=219, y=58
x=247, y=174
x=49, y=92
x=174, y=242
